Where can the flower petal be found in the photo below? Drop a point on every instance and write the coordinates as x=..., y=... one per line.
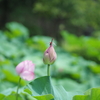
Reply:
x=29, y=65
x=49, y=55
x=52, y=54
x=46, y=58
x=20, y=68
x=27, y=75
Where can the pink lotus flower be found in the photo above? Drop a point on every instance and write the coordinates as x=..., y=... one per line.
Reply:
x=26, y=70
x=50, y=55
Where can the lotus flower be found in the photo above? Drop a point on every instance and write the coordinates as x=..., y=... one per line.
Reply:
x=50, y=55
x=25, y=70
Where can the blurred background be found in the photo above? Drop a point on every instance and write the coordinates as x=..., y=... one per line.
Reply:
x=26, y=28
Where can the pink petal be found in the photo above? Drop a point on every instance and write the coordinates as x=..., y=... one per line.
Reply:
x=20, y=68
x=46, y=58
x=52, y=53
x=49, y=55
x=29, y=65
x=27, y=75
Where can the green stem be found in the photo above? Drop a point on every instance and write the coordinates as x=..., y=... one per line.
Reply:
x=17, y=89
x=48, y=70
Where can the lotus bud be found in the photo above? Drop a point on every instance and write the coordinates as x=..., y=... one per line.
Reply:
x=50, y=55
x=25, y=70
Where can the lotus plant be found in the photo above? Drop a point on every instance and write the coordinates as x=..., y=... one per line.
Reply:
x=49, y=56
x=25, y=70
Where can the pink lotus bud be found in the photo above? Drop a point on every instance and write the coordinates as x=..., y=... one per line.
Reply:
x=50, y=55
x=26, y=70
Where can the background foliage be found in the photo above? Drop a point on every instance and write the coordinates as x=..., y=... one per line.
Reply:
x=73, y=72
x=80, y=17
